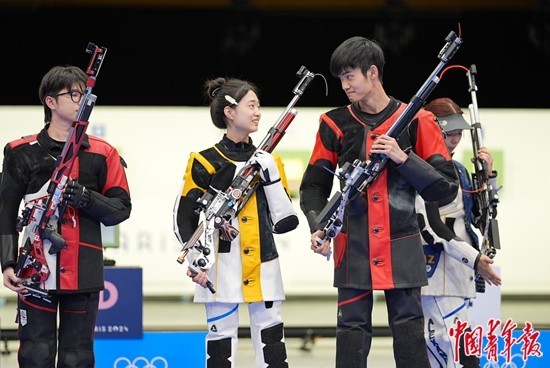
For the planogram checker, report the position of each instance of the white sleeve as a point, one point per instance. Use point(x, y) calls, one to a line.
point(283, 215)
point(435, 232)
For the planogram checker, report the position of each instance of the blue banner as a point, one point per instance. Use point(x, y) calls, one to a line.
point(154, 350)
point(121, 304)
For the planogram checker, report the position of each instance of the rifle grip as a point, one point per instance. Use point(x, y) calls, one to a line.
point(23, 256)
point(320, 242)
point(210, 286)
point(57, 241)
point(209, 283)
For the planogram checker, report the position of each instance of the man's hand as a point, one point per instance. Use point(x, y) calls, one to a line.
point(388, 146)
point(76, 195)
point(12, 282)
point(486, 271)
point(324, 248)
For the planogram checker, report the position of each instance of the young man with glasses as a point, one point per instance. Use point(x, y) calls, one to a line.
point(96, 192)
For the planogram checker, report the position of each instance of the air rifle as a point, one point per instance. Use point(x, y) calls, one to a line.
point(221, 206)
point(485, 196)
point(40, 217)
point(357, 176)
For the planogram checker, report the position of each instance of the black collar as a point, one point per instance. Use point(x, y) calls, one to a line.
point(237, 146)
point(237, 151)
point(373, 120)
point(52, 145)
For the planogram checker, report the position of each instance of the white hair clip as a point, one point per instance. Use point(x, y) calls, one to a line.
point(231, 100)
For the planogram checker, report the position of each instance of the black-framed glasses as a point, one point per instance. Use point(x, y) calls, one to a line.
point(76, 96)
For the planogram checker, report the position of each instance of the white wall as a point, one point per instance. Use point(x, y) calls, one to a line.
point(156, 142)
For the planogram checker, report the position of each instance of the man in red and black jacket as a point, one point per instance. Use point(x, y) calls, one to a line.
point(379, 247)
point(96, 193)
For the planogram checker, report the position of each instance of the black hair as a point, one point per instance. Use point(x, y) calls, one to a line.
point(57, 79)
point(357, 52)
point(216, 90)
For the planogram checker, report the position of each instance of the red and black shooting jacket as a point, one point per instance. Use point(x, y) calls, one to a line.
point(379, 246)
point(27, 168)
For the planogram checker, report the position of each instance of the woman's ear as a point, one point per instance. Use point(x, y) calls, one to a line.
point(228, 112)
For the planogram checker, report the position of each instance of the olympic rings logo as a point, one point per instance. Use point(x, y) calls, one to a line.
point(140, 362)
point(516, 361)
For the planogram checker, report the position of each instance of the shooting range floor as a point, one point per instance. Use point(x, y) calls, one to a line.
point(175, 314)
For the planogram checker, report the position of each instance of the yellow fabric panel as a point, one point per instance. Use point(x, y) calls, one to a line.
point(282, 172)
point(250, 239)
point(188, 177)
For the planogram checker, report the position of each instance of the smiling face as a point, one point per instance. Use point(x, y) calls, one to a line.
point(244, 118)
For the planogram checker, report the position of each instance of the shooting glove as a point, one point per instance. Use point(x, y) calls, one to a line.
point(76, 195)
point(269, 172)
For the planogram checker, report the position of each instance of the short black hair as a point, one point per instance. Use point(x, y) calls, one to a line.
point(57, 79)
point(357, 52)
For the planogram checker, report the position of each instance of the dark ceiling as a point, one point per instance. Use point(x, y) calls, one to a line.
point(161, 52)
